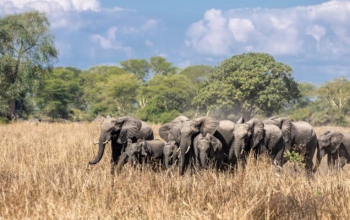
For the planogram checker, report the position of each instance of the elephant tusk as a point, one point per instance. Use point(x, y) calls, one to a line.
point(188, 149)
point(97, 142)
point(170, 157)
point(105, 142)
point(242, 151)
point(178, 149)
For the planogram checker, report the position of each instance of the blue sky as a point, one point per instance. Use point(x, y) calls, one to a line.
point(312, 36)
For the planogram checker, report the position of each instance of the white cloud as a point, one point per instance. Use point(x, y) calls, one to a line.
point(211, 34)
point(150, 25)
point(322, 29)
point(316, 31)
point(66, 5)
point(110, 42)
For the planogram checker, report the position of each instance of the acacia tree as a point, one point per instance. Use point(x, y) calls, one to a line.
point(27, 52)
point(248, 84)
point(139, 67)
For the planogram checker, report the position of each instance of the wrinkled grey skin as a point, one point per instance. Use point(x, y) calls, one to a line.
point(259, 137)
point(183, 131)
point(299, 137)
point(118, 131)
point(170, 153)
point(207, 149)
point(337, 148)
point(151, 150)
point(131, 154)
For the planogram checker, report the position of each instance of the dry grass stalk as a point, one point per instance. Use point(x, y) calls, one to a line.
point(43, 175)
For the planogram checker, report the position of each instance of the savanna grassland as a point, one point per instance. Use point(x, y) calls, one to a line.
point(44, 175)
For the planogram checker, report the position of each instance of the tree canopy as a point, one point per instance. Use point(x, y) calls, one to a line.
point(248, 84)
point(27, 52)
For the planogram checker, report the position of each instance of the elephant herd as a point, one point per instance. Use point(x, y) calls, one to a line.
point(205, 141)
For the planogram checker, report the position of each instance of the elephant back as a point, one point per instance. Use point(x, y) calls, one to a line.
point(145, 132)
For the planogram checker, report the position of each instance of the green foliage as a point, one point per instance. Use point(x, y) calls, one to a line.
point(294, 157)
point(197, 73)
point(248, 84)
point(61, 92)
point(139, 67)
point(160, 66)
point(27, 52)
point(112, 91)
point(164, 96)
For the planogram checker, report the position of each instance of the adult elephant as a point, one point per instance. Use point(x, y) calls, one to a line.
point(118, 131)
point(337, 148)
point(299, 137)
point(183, 131)
point(259, 137)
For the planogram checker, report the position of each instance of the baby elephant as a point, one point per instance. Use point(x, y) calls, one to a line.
point(207, 149)
point(337, 147)
point(171, 153)
point(150, 151)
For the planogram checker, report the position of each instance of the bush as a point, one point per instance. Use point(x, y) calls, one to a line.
point(4, 120)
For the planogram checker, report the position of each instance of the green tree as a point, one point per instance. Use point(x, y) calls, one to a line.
point(333, 102)
point(248, 84)
point(164, 97)
point(27, 52)
point(110, 90)
point(160, 66)
point(61, 94)
point(336, 94)
point(140, 67)
point(197, 73)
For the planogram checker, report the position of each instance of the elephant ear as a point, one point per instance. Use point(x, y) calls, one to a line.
point(286, 128)
point(215, 143)
point(164, 131)
point(175, 133)
point(327, 132)
point(204, 125)
point(336, 140)
point(240, 120)
point(285, 125)
point(130, 126)
point(257, 128)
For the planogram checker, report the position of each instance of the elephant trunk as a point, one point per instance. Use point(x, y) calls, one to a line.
point(184, 145)
point(204, 160)
point(101, 149)
point(236, 151)
point(166, 161)
point(320, 154)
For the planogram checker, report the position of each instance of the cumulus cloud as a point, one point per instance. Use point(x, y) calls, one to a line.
point(66, 5)
point(321, 29)
point(110, 42)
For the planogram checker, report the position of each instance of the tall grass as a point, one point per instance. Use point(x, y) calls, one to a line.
point(44, 175)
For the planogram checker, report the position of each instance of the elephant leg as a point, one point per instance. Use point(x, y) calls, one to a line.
point(115, 151)
point(310, 152)
point(341, 162)
point(121, 161)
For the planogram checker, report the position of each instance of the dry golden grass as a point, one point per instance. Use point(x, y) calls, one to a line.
point(43, 175)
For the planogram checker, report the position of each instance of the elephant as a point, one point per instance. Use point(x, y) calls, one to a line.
point(118, 131)
point(299, 137)
point(207, 148)
point(259, 137)
point(170, 153)
point(337, 147)
point(183, 131)
point(150, 151)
